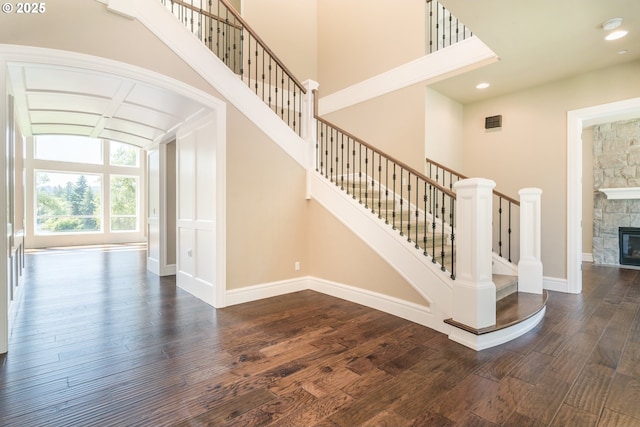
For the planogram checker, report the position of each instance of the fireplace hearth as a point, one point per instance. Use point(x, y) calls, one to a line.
point(629, 239)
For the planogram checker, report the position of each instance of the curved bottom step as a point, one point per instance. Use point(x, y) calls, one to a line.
point(516, 314)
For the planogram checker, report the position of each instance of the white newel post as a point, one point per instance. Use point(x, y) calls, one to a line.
point(308, 127)
point(474, 293)
point(530, 264)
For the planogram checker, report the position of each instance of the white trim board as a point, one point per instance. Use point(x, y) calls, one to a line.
point(406, 310)
point(461, 57)
point(576, 121)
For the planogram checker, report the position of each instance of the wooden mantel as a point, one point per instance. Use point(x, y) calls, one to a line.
point(621, 193)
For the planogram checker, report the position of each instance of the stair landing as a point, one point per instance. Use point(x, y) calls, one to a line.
point(510, 310)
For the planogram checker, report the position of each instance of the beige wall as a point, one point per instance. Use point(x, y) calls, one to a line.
point(393, 123)
point(339, 255)
point(289, 28)
point(443, 129)
point(358, 39)
point(266, 208)
point(530, 150)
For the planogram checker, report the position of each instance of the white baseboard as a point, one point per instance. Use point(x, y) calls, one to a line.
point(587, 257)
point(266, 290)
point(410, 311)
point(555, 284)
point(416, 313)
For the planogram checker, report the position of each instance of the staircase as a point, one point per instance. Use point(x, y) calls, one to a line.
point(414, 231)
point(418, 228)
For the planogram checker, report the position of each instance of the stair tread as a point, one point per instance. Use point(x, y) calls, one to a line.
point(504, 281)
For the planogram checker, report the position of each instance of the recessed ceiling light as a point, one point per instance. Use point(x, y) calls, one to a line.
point(612, 24)
point(482, 86)
point(616, 35)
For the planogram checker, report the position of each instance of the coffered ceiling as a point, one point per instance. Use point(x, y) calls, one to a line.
point(54, 99)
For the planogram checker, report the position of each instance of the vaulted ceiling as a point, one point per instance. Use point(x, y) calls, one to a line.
point(54, 99)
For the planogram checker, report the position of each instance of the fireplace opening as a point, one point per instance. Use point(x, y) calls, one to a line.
point(629, 239)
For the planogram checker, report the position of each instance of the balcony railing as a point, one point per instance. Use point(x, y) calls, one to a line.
point(221, 28)
point(443, 29)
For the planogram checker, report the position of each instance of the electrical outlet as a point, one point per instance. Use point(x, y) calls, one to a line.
point(297, 266)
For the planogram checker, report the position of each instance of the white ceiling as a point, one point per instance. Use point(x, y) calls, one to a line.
point(540, 41)
point(53, 99)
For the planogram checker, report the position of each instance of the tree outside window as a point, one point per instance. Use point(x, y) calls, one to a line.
point(67, 202)
point(124, 203)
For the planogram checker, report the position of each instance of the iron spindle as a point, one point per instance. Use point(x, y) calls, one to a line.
point(341, 161)
point(408, 206)
point(500, 226)
point(353, 162)
point(442, 221)
point(379, 186)
point(386, 191)
point(366, 177)
point(394, 196)
point(434, 215)
point(401, 199)
point(417, 213)
point(509, 231)
point(452, 209)
point(424, 232)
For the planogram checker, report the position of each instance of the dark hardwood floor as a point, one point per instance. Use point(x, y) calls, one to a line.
point(100, 342)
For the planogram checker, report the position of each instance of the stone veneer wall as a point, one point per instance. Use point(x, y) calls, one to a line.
point(616, 163)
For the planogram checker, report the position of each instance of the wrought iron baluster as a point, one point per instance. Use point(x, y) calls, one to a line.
point(408, 206)
point(366, 177)
point(318, 143)
point(451, 223)
point(417, 213)
point(386, 192)
point(401, 199)
point(442, 221)
point(353, 163)
point(339, 158)
point(394, 195)
point(348, 165)
point(360, 173)
point(424, 232)
point(434, 215)
point(509, 230)
point(379, 186)
point(500, 226)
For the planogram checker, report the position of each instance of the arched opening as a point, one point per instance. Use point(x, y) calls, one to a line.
point(72, 95)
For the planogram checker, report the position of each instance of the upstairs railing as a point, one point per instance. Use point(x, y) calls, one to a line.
point(443, 29)
point(506, 212)
point(221, 28)
point(418, 207)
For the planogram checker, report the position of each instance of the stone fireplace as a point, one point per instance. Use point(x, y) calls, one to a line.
point(616, 179)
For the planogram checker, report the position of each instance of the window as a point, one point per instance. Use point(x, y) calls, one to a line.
point(67, 202)
point(124, 203)
point(65, 148)
point(123, 154)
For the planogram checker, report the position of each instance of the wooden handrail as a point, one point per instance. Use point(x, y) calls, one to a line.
point(447, 169)
point(208, 14)
point(247, 27)
point(403, 165)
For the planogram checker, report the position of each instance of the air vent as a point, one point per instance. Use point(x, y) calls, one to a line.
point(493, 122)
